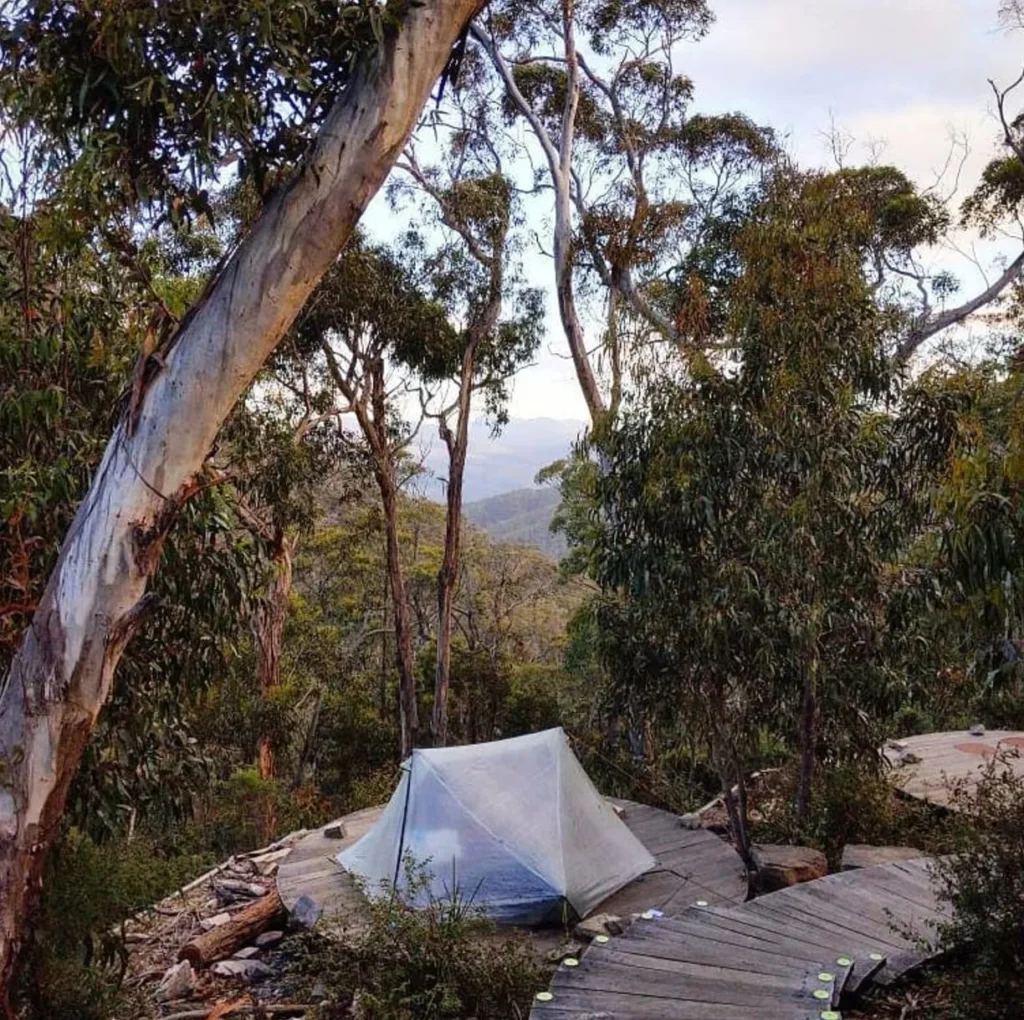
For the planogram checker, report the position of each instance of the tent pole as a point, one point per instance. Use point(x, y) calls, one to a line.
point(405, 815)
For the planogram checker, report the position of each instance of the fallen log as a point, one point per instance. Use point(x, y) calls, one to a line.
point(220, 942)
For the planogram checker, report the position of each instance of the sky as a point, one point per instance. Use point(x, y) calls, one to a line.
point(896, 75)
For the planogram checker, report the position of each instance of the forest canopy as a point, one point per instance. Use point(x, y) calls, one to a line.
point(793, 523)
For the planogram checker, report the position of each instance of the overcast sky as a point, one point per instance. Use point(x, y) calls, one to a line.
point(898, 73)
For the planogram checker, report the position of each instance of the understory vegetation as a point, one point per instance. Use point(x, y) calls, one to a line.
point(794, 523)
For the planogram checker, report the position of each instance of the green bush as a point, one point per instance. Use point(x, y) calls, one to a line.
point(244, 812)
point(853, 802)
point(440, 961)
point(984, 883)
point(75, 962)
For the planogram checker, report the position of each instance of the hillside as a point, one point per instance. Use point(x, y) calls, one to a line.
point(522, 516)
point(497, 465)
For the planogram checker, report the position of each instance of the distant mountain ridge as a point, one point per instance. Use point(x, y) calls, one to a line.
point(502, 464)
point(522, 516)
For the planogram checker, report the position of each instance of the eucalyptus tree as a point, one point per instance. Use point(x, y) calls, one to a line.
point(368, 322)
point(632, 171)
point(749, 518)
point(125, 95)
point(476, 274)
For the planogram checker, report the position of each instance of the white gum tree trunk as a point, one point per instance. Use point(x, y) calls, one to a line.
point(61, 676)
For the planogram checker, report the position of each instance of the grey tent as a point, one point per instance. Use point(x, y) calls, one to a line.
point(515, 825)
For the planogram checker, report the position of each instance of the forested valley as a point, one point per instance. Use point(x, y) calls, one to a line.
point(794, 526)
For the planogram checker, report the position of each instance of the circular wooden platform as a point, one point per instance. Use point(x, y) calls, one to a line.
point(694, 865)
point(928, 766)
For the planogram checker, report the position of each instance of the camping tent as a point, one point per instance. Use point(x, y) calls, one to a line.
point(515, 825)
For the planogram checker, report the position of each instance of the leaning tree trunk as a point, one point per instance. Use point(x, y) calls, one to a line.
point(268, 630)
point(93, 603)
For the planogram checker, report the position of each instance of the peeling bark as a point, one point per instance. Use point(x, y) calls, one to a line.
point(61, 676)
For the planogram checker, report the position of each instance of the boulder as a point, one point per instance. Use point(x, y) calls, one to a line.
point(269, 938)
point(307, 911)
point(599, 924)
point(249, 971)
point(177, 983)
point(782, 866)
point(861, 855)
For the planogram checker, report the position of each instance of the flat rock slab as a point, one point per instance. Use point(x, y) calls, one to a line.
point(861, 855)
point(780, 866)
point(249, 971)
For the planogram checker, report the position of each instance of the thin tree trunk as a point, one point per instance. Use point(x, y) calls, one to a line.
point(268, 629)
point(409, 721)
point(808, 716)
point(447, 576)
point(94, 601)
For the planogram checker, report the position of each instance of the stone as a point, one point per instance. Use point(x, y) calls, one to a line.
point(690, 821)
point(209, 923)
point(266, 864)
point(565, 950)
point(269, 938)
point(232, 890)
point(599, 924)
point(307, 911)
point(977, 730)
point(246, 953)
point(782, 866)
point(334, 831)
point(249, 971)
point(861, 855)
point(177, 983)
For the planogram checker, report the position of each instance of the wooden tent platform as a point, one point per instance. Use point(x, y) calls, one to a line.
point(791, 955)
point(693, 864)
point(947, 758)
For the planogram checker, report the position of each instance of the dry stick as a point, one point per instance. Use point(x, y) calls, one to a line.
point(278, 1010)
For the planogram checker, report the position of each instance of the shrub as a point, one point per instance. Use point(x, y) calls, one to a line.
point(984, 883)
point(75, 962)
point(852, 802)
point(439, 961)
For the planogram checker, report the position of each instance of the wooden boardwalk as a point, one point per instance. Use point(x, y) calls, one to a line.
point(693, 865)
point(790, 955)
point(942, 758)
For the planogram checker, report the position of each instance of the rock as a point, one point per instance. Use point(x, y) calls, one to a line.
point(307, 911)
point(977, 730)
point(209, 923)
point(690, 821)
point(266, 864)
point(269, 938)
point(599, 924)
point(565, 950)
point(781, 866)
point(246, 953)
point(177, 983)
point(619, 810)
point(249, 971)
point(231, 890)
point(334, 831)
point(860, 855)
